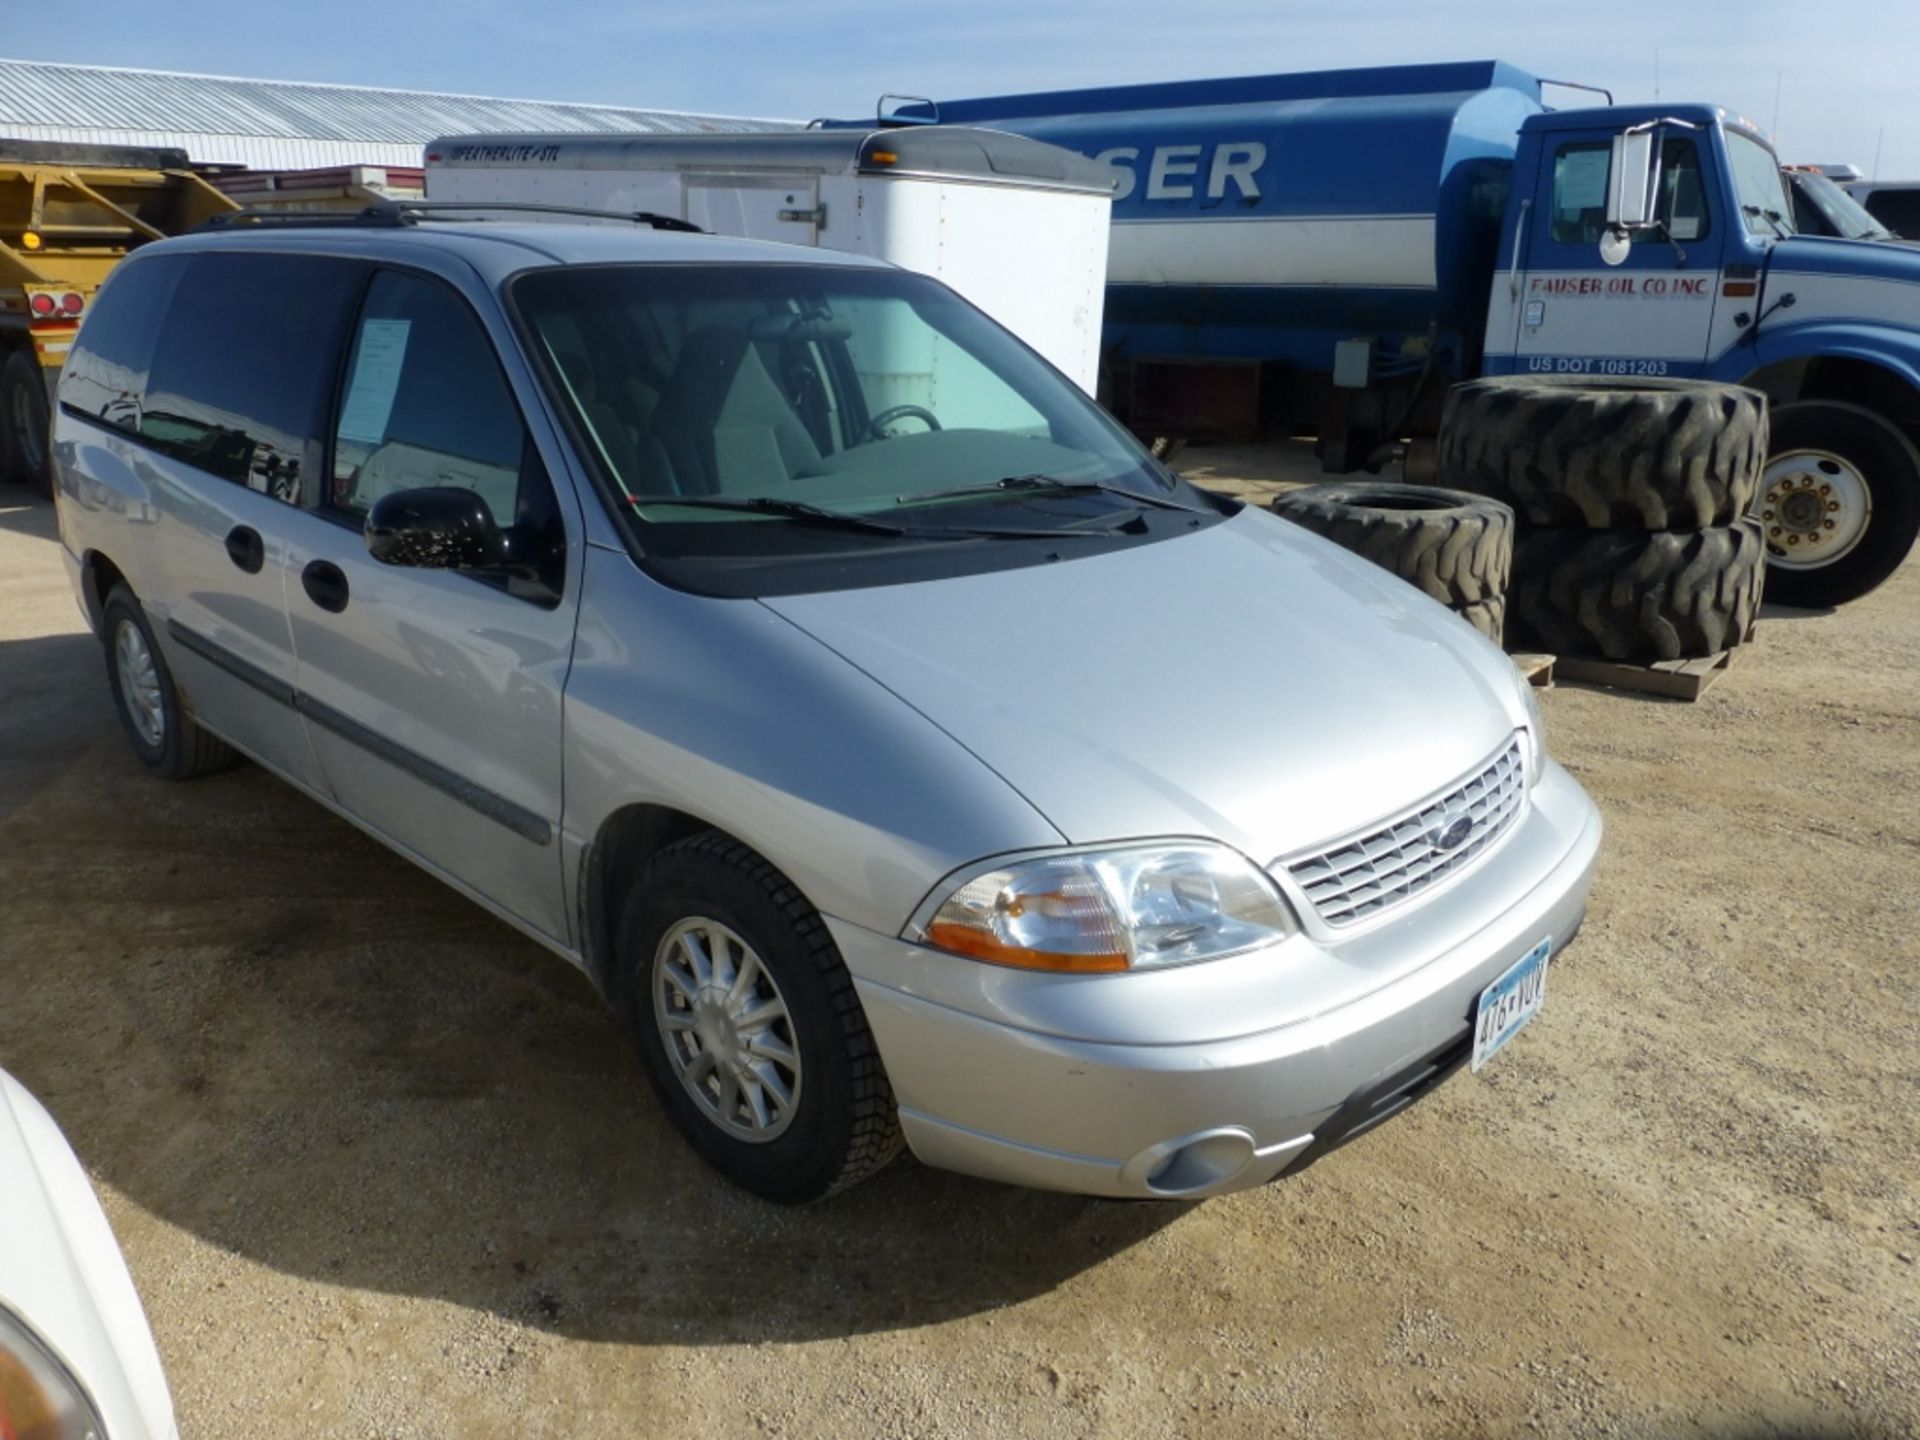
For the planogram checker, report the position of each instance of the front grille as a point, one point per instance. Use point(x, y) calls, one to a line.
point(1368, 875)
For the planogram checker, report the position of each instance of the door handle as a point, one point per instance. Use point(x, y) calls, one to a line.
point(245, 550)
point(326, 585)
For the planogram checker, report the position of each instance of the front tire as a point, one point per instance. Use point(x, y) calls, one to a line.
point(165, 737)
point(748, 1024)
point(1839, 503)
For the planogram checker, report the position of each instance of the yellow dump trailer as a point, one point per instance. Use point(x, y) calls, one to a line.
point(68, 213)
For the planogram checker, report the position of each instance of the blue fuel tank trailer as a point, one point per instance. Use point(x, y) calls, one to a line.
point(1272, 217)
point(1330, 251)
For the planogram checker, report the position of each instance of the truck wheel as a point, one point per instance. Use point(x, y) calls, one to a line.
point(25, 452)
point(162, 734)
point(748, 1024)
point(1645, 454)
point(1455, 547)
point(1839, 502)
point(1637, 594)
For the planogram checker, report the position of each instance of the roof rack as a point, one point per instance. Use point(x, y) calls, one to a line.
point(394, 214)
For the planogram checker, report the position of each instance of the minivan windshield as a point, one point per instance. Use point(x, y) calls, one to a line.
point(782, 407)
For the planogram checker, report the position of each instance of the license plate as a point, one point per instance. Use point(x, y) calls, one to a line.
point(1510, 1002)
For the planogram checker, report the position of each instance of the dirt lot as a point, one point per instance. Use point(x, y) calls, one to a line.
point(382, 1167)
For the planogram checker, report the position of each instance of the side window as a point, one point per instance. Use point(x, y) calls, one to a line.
point(425, 403)
point(1683, 192)
point(105, 377)
point(1580, 172)
point(1580, 192)
point(244, 365)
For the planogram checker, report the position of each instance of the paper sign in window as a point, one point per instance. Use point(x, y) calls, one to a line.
point(376, 380)
point(1580, 181)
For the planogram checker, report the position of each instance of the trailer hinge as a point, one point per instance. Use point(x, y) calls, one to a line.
point(817, 217)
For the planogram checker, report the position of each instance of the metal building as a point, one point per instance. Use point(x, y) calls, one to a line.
point(286, 124)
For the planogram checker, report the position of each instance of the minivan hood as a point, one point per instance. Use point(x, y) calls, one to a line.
point(1250, 682)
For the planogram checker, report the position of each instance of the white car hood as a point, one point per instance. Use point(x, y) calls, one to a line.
point(61, 1272)
point(1249, 682)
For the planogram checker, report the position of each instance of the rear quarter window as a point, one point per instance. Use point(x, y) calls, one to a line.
point(105, 377)
point(244, 367)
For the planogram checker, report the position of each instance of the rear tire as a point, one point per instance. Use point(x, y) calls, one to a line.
point(1455, 547)
point(26, 449)
point(1609, 454)
point(163, 734)
point(1634, 594)
point(774, 987)
point(1842, 477)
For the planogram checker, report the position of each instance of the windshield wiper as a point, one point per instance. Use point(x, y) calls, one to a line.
point(851, 520)
point(773, 505)
point(1774, 218)
point(1053, 484)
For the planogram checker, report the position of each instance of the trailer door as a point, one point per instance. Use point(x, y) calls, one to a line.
point(757, 207)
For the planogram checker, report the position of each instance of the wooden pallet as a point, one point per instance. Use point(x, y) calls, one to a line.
point(1678, 679)
point(1537, 668)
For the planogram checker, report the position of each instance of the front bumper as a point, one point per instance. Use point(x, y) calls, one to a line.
point(1079, 1083)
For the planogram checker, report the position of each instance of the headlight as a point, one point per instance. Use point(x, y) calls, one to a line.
point(1106, 910)
point(1536, 729)
point(39, 1397)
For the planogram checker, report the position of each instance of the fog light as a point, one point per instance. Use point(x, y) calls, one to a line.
point(1191, 1165)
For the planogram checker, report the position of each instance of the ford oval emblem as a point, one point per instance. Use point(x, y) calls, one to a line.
point(1454, 834)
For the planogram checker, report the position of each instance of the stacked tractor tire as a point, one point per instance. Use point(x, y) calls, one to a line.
point(1577, 516)
point(1632, 500)
point(1455, 547)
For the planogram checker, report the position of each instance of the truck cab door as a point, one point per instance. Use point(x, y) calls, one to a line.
point(1651, 314)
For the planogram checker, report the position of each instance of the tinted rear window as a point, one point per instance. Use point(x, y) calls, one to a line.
point(246, 363)
point(106, 374)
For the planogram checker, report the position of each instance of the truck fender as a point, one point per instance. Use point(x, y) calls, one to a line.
point(1789, 357)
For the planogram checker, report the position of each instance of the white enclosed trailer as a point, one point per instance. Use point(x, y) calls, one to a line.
point(1016, 226)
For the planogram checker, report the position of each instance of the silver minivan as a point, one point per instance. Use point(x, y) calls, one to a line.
point(905, 754)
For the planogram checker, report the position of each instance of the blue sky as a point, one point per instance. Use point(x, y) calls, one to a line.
point(1843, 69)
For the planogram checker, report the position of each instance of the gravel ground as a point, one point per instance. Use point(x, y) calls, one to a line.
point(384, 1168)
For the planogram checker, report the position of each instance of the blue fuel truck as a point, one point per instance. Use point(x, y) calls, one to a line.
point(1331, 251)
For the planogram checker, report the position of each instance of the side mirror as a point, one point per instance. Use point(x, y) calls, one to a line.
point(1633, 182)
point(437, 527)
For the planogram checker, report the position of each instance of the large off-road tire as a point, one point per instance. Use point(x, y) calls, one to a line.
point(1610, 454)
point(1839, 502)
point(163, 734)
point(1636, 594)
point(1454, 546)
point(1489, 617)
point(748, 1024)
point(26, 448)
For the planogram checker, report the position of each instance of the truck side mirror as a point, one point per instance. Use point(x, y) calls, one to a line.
point(1633, 191)
point(1633, 182)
